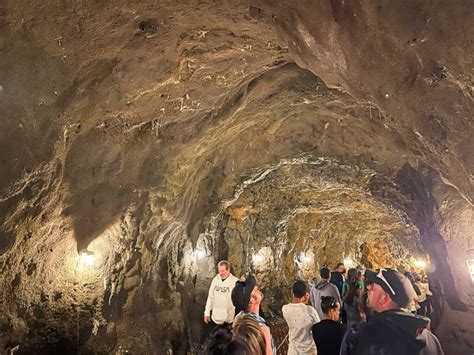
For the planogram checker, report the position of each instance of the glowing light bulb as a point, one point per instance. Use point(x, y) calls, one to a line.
point(258, 258)
point(348, 262)
point(199, 253)
point(306, 258)
point(86, 259)
point(420, 264)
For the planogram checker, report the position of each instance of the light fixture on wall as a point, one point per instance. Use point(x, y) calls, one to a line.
point(348, 262)
point(199, 254)
point(305, 258)
point(86, 259)
point(420, 264)
point(258, 258)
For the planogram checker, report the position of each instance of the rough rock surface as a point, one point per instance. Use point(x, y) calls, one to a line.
point(165, 135)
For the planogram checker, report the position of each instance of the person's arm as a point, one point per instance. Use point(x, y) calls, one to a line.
point(268, 339)
point(311, 297)
point(337, 295)
point(209, 303)
point(314, 316)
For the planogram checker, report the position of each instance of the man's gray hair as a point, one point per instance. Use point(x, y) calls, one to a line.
point(224, 263)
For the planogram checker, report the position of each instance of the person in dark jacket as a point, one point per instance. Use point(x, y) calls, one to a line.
point(337, 277)
point(391, 330)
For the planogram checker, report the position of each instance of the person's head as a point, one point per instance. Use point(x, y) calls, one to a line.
point(246, 295)
point(330, 307)
point(416, 277)
point(300, 291)
point(223, 269)
point(325, 273)
point(247, 329)
point(360, 276)
point(388, 289)
point(340, 268)
point(409, 276)
point(223, 343)
point(352, 275)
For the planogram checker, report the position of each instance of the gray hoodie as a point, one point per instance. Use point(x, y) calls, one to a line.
point(323, 288)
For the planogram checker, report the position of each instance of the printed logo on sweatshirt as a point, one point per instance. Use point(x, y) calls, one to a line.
point(222, 289)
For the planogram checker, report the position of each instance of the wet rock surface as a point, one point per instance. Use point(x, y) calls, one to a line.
point(148, 132)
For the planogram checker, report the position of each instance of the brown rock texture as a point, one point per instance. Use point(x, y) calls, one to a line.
point(163, 136)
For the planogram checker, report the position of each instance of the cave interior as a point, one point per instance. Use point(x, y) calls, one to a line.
point(143, 141)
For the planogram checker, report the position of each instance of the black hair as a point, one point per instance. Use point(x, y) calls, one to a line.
point(325, 273)
point(328, 303)
point(299, 288)
point(223, 343)
point(339, 264)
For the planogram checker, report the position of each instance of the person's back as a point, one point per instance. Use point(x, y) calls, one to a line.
point(321, 289)
point(300, 317)
point(328, 333)
point(391, 333)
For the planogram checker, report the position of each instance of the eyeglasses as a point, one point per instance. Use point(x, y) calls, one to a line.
point(380, 276)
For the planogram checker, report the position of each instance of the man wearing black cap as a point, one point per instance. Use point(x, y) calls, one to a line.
point(392, 330)
point(246, 298)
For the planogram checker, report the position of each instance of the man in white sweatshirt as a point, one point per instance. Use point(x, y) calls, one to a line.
point(219, 307)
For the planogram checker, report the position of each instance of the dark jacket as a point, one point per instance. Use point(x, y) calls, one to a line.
point(393, 332)
point(337, 279)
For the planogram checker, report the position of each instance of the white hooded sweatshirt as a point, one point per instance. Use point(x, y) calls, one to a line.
point(219, 299)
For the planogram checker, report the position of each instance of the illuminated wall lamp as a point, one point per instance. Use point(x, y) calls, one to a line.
point(258, 258)
point(86, 259)
point(200, 254)
point(306, 258)
point(421, 264)
point(348, 262)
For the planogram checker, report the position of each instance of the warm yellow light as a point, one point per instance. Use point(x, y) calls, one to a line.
point(200, 254)
point(306, 258)
point(348, 262)
point(86, 259)
point(258, 258)
point(421, 264)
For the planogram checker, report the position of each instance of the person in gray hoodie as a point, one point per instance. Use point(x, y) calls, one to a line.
point(323, 288)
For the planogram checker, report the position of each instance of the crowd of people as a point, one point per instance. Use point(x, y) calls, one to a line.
point(379, 312)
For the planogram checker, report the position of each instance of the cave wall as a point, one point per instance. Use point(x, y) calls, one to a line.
point(141, 131)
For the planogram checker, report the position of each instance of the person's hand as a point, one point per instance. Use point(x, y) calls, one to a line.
point(206, 319)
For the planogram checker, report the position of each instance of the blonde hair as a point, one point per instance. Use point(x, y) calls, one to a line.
point(247, 328)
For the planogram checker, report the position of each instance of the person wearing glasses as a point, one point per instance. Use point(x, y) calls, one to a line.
point(391, 330)
point(328, 333)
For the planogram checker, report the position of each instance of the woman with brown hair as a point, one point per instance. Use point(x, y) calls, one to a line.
point(247, 328)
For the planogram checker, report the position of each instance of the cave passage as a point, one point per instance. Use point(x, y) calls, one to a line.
point(142, 142)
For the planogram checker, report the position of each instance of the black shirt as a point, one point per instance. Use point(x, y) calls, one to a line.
point(328, 335)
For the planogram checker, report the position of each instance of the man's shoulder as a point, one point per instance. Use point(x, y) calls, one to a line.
point(233, 278)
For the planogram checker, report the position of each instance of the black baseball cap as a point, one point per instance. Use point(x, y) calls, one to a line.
point(241, 293)
point(395, 284)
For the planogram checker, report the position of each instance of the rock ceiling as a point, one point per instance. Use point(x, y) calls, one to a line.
point(149, 131)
